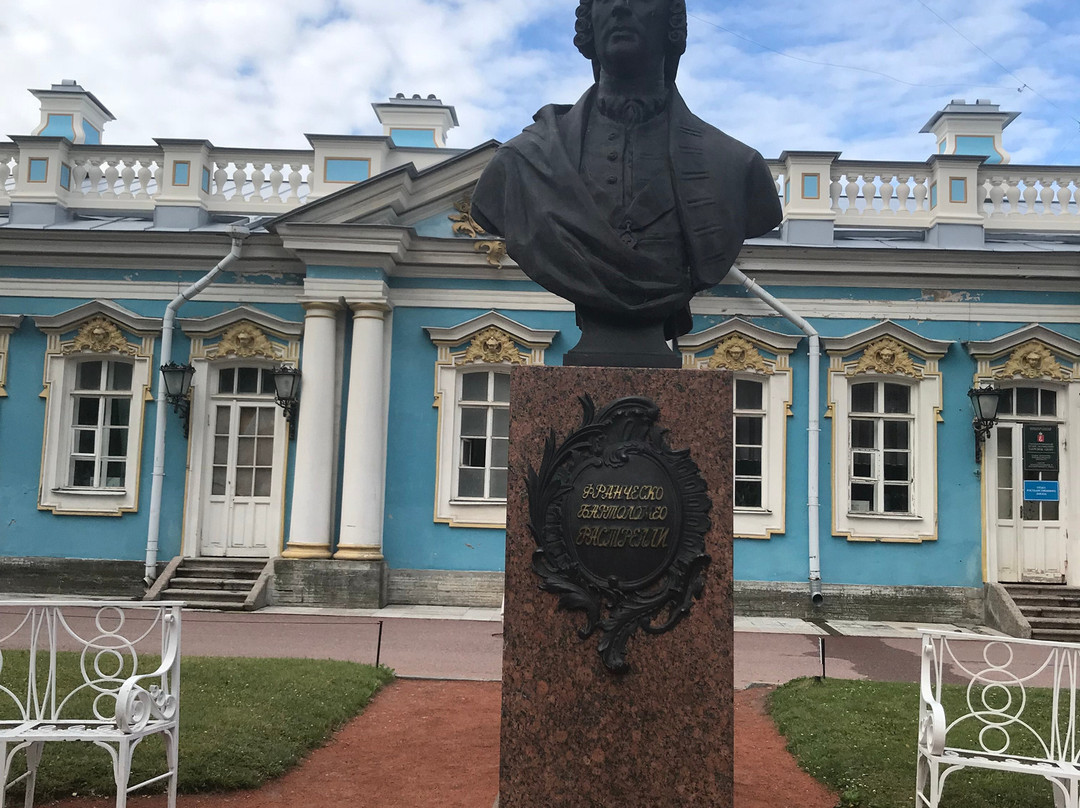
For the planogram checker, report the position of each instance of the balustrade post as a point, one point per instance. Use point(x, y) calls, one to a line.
point(808, 206)
point(43, 180)
point(185, 183)
point(956, 201)
point(341, 160)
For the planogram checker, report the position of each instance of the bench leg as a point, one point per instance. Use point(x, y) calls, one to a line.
point(172, 756)
point(927, 782)
point(33, 758)
point(122, 771)
point(3, 773)
point(1066, 794)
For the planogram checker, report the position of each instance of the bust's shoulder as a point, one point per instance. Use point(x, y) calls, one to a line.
point(717, 144)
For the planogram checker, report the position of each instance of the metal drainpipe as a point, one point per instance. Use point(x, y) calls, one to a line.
point(813, 427)
point(153, 532)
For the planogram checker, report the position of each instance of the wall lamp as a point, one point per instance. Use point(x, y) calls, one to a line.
point(177, 381)
point(287, 394)
point(985, 400)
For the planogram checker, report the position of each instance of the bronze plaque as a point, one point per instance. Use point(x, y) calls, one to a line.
point(619, 519)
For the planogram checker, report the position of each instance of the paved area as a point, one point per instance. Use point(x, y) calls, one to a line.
point(459, 643)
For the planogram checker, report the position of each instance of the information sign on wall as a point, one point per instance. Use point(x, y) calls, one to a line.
point(1040, 447)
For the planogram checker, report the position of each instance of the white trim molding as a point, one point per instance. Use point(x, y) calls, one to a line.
point(758, 355)
point(98, 330)
point(888, 355)
point(492, 342)
point(9, 323)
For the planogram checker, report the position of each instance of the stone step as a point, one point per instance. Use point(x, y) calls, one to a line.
point(1035, 603)
point(219, 606)
point(1056, 634)
point(198, 582)
point(208, 595)
point(1041, 589)
point(217, 573)
point(1054, 621)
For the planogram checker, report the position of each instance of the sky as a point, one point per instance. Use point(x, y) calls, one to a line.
point(860, 77)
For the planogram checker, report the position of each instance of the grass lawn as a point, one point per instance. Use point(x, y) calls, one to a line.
point(242, 722)
point(859, 738)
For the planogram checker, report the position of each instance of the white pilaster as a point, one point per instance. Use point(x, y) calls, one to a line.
point(311, 524)
point(362, 486)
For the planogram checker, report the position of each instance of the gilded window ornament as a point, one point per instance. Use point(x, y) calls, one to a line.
point(888, 357)
point(243, 340)
point(493, 346)
point(738, 353)
point(1032, 360)
point(99, 335)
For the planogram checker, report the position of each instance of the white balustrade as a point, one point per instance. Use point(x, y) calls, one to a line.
point(255, 181)
point(9, 164)
point(1031, 197)
point(104, 178)
point(892, 193)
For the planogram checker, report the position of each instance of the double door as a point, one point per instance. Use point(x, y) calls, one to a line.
point(243, 464)
point(1026, 487)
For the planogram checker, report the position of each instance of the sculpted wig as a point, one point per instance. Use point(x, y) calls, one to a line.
point(676, 38)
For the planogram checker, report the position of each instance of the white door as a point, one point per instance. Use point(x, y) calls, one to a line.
point(242, 504)
point(1027, 488)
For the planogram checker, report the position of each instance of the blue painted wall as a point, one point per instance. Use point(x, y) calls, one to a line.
point(27, 531)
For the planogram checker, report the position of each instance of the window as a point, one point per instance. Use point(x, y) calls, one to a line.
point(101, 415)
point(749, 442)
point(472, 396)
point(484, 430)
point(97, 381)
point(885, 402)
point(758, 359)
point(880, 460)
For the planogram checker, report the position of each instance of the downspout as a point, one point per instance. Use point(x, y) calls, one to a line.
point(153, 532)
point(813, 427)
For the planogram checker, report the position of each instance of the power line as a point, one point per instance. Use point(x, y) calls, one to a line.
point(820, 63)
point(1023, 84)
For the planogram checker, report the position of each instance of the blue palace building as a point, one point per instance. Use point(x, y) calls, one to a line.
point(346, 331)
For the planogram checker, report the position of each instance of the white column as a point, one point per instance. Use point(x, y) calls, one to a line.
point(362, 483)
point(311, 524)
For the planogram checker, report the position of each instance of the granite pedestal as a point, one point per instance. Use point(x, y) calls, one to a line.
point(573, 733)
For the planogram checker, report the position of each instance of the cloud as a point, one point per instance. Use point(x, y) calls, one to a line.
point(850, 76)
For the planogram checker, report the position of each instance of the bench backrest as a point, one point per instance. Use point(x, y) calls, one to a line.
point(1015, 697)
point(110, 641)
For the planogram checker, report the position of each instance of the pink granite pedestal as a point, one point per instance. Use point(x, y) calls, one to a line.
point(573, 733)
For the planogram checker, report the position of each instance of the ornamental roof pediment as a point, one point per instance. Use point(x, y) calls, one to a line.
point(924, 346)
point(218, 323)
point(400, 196)
point(70, 319)
point(993, 348)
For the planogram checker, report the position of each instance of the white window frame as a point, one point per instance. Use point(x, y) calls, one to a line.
point(9, 323)
point(102, 332)
point(491, 342)
point(490, 406)
point(758, 354)
point(892, 354)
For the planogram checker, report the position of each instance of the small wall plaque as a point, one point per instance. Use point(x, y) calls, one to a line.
point(619, 519)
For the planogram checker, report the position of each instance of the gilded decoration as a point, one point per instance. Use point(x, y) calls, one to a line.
point(889, 357)
point(494, 250)
point(243, 340)
point(99, 335)
point(738, 353)
point(464, 223)
point(493, 346)
point(1032, 360)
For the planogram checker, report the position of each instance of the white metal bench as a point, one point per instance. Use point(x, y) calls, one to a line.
point(115, 701)
point(1011, 735)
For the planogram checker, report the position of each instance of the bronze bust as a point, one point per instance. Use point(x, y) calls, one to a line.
point(626, 203)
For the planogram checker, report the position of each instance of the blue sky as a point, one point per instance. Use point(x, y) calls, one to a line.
point(856, 76)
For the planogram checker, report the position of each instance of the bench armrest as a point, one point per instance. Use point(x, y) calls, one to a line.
point(136, 705)
point(932, 724)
